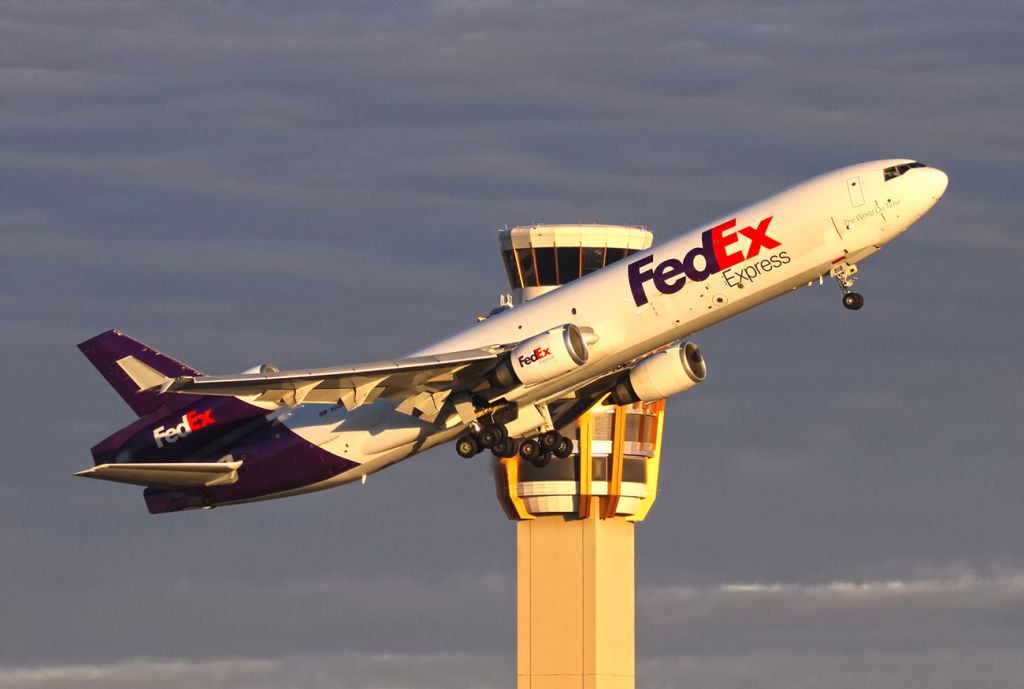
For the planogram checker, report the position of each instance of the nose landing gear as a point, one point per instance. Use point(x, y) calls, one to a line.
point(853, 300)
point(844, 273)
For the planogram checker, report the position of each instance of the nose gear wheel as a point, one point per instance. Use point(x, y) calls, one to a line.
point(845, 274)
point(853, 301)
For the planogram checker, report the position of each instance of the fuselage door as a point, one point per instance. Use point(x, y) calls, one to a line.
point(853, 186)
point(861, 225)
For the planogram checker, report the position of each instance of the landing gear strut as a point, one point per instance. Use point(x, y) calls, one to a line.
point(844, 273)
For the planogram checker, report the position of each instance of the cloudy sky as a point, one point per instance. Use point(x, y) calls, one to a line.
point(312, 183)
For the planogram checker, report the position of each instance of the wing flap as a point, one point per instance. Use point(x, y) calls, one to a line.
point(167, 475)
point(352, 386)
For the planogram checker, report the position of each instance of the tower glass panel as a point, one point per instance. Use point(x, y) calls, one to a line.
point(527, 267)
point(568, 263)
point(593, 259)
point(546, 272)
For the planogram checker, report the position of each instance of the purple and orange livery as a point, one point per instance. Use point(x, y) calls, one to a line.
point(185, 430)
point(512, 380)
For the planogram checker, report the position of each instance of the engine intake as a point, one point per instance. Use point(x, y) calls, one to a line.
point(543, 357)
point(661, 375)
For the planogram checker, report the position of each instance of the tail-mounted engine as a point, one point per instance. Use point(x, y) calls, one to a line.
point(543, 357)
point(661, 375)
point(263, 368)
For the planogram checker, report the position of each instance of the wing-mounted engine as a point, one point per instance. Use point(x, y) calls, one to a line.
point(661, 375)
point(543, 357)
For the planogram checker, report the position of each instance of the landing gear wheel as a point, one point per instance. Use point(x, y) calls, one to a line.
point(550, 440)
point(564, 448)
point(489, 437)
point(505, 448)
point(853, 301)
point(467, 446)
point(542, 460)
point(492, 434)
point(530, 450)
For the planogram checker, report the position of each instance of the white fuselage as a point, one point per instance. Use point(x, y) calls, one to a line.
point(657, 296)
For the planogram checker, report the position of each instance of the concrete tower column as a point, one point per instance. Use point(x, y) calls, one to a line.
point(576, 516)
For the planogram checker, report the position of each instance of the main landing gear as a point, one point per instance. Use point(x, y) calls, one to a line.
point(494, 437)
point(844, 274)
point(539, 451)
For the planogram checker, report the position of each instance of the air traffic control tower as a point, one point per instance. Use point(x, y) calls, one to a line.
point(575, 516)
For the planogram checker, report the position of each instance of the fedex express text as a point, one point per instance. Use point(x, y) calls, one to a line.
point(718, 252)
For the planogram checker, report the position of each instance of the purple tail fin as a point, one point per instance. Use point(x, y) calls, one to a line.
point(106, 349)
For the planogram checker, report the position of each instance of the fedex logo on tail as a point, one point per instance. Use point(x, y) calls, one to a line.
point(191, 421)
point(717, 252)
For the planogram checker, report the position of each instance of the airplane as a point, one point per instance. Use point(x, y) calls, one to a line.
point(509, 382)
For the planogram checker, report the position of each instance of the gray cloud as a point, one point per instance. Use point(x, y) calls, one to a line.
point(312, 671)
point(847, 617)
point(941, 632)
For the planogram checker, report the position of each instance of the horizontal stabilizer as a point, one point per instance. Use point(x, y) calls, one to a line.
point(146, 377)
point(167, 474)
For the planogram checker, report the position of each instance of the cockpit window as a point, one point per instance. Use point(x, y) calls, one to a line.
point(897, 170)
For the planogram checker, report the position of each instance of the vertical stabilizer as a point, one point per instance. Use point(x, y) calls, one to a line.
point(118, 357)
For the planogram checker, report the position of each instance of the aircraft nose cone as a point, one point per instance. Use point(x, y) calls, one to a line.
point(937, 183)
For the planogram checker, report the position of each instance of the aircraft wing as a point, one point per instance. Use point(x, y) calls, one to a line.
point(421, 383)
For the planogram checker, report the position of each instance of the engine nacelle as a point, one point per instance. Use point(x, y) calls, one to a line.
point(265, 368)
point(661, 375)
point(543, 357)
